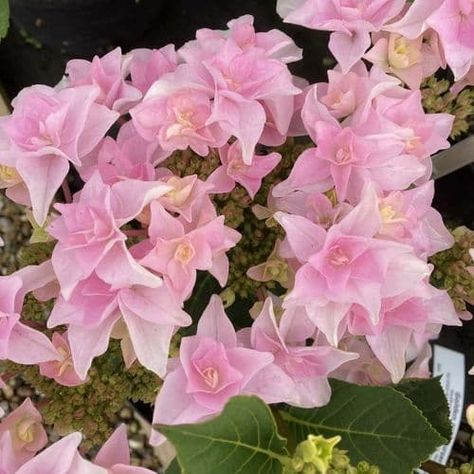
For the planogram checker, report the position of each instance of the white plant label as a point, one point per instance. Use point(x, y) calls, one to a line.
point(451, 365)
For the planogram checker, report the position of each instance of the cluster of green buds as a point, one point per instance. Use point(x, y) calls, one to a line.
point(319, 455)
point(438, 98)
point(454, 269)
point(93, 406)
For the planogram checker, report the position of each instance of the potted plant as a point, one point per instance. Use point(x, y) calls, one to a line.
point(247, 250)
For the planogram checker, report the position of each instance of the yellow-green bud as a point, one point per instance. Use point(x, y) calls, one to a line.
point(318, 451)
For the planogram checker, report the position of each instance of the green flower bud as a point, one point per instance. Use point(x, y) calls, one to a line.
point(318, 451)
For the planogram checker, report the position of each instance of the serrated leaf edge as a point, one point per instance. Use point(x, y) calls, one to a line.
point(441, 440)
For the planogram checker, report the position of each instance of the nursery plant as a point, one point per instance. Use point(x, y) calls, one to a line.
point(247, 251)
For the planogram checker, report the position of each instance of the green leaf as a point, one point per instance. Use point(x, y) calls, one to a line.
point(428, 396)
point(4, 18)
point(377, 424)
point(242, 439)
point(173, 468)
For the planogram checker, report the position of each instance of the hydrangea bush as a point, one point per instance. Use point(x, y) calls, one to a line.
point(194, 246)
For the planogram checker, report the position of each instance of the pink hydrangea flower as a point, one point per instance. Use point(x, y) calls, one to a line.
point(347, 265)
point(26, 434)
point(453, 20)
point(62, 370)
point(409, 218)
point(188, 196)
point(235, 170)
point(177, 113)
point(275, 44)
point(347, 96)
point(148, 65)
point(406, 323)
point(89, 236)
point(211, 369)
point(404, 118)
point(177, 250)
point(47, 129)
point(411, 60)
point(108, 73)
point(151, 317)
point(351, 21)
point(247, 74)
point(298, 374)
point(63, 457)
point(350, 161)
point(127, 157)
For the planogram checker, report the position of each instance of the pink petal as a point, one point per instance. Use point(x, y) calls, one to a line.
point(28, 346)
point(88, 343)
point(390, 348)
point(56, 459)
point(215, 324)
point(348, 49)
point(304, 237)
point(43, 176)
point(115, 450)
point(151, 342)
point(245, 119)
point(174, 406)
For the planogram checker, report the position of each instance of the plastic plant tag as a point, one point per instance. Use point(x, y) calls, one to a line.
point(451, 365)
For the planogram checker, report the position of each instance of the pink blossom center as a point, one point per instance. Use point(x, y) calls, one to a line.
point(184, 252)
point(343, 155)
point(26, 430)
point(337, 257)
point(211, 377)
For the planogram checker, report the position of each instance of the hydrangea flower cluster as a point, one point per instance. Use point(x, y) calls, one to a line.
point(353, 297)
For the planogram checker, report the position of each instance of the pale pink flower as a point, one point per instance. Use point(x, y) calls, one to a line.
point(148, 65)
point(254, 92)
point(151, 317)
point(411, 60)
point(128, 157)
point(248, 84)
point(453, 20)
point(235, 170)
point(177, 114)
point(350, 161)
point(108, 73)
point(63, 457)
point(89, 236)
point(188, 196)
point(26, 433)
point(405, 324)
point(347, 96)
point(211, 369)
point(347, 265)
point(404, 119)
point(274, 43)
point(47, 129)
point(351, 21)
point(407, 217)
point(298, 374)
point(176, 250)
point(62, 370)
